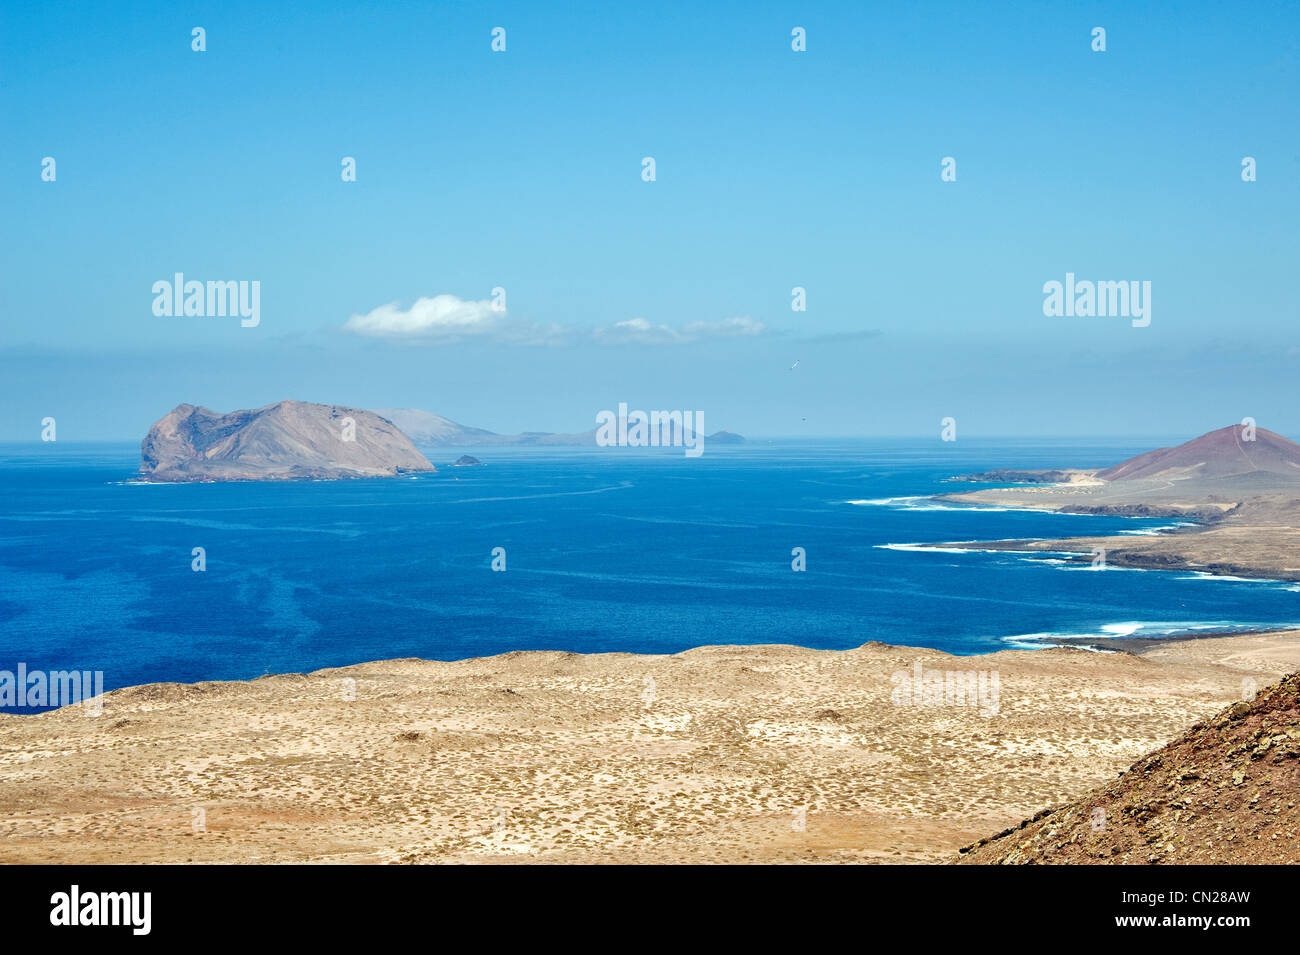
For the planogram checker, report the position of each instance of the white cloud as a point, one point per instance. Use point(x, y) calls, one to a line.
point(635, 330)
point(640, 331)
point(444, 319)
point(443, 316)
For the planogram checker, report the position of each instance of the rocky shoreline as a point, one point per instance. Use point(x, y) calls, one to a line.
point(1150, 553)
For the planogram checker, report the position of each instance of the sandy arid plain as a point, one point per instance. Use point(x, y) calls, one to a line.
point(718, 754)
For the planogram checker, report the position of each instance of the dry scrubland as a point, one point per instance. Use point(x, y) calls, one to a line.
point(704, 756)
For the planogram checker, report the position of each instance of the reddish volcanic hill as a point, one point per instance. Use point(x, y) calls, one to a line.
point(1219, 454)
point(1224, 792)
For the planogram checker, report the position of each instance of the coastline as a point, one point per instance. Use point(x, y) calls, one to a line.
point(1256, 538)
point(769, 753)
point(1153, 552)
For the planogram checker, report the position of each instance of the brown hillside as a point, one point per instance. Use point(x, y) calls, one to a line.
point(1224, 792)
point(1218, 454)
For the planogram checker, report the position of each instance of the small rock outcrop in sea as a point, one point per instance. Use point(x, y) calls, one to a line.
point(289, 440)
point(724, 437)
point(466, 461)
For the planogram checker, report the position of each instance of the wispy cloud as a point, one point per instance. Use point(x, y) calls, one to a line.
point(444, 319)
point(840, 338)
point(447, 319)
point(639, 331)
point(439, 316)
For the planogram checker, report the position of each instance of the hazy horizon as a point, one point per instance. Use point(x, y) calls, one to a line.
point(984, 439)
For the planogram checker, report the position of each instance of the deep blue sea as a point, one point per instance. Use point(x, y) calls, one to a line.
point(605, 550)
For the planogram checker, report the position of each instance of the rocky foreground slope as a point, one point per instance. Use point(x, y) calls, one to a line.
point(1226, 791)
point(284, 441)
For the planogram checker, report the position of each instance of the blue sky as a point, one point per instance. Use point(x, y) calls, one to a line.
point(775, 169)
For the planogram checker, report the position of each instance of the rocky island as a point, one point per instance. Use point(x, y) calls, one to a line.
point(288, 440)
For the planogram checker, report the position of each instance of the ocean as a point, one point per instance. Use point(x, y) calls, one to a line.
point(604, 550)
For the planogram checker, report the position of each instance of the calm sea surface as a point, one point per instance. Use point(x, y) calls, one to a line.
point(605, 550)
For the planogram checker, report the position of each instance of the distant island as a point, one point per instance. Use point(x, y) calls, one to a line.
point(466, 461)
point(288, 440)
point(724, 437)
point(429, 430)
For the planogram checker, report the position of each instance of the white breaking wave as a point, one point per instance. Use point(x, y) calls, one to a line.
point(1130, 628)
point(1202, 575)
point(1084, 565)
point(1153, 531)
point(922, 502)
point(933, 549)
point(911, 503)
point(1121, 629)
point(884, 501)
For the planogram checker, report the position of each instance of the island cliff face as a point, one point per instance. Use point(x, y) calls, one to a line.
point(289, 440)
